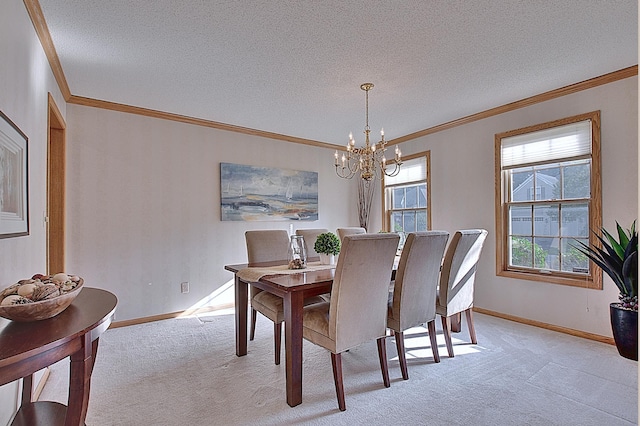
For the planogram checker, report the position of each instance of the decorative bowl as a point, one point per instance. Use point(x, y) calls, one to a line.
point(43, 309)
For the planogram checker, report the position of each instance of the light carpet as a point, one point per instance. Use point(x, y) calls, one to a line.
point(185, 372)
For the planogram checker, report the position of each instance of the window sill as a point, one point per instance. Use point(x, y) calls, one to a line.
point(583, 282)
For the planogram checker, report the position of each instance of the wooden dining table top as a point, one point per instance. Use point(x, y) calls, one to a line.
point(302, 278)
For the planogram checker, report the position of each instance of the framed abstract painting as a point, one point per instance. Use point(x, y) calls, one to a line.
point(14, 188)
point(252, 193)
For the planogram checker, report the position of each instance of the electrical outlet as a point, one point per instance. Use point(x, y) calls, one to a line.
point(184, 287)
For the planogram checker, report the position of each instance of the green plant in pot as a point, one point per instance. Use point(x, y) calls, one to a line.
point(327, 245)
point(618, 258)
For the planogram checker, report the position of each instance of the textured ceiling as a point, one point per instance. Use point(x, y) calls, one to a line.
point(295, 67)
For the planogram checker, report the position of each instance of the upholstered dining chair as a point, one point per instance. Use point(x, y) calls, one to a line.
point(357, 312)
point(457, 280)
point(413, 301)
point(352, 230)
point(310, 236)
point(268, 246)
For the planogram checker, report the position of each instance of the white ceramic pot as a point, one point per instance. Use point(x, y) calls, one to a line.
point(327, 259)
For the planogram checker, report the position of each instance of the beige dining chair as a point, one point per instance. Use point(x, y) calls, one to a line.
point(357, 312)
point(310, 236)
point(457, 280)
point(413, 300)
point(269, 246)
point(353, 230)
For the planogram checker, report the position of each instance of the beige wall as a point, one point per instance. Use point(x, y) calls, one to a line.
point(25, 80)
point(462, 181)
point(144, 206)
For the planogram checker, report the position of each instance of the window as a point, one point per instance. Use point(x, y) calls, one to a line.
point(547, 198)
point(407, 197)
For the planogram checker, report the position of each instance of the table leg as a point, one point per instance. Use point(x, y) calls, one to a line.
point(293, 304)
point(27, 390)
point(241, 289)
point(94, 352)
point(80, 382)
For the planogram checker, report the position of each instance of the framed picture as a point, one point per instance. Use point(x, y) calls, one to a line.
point(14, 187)
point(251, 193)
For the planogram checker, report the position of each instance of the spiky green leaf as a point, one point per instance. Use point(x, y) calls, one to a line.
point(629, 273)
point(618, 258)
point(619, 250)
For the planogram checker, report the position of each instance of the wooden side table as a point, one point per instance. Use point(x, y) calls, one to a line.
point(26, 347)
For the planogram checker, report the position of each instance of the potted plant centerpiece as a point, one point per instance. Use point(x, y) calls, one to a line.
point(619, 259)
point(327, 245)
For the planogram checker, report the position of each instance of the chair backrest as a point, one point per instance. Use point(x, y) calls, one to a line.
point(310, 236)
point(417, 277)
point(343, 232)
point(358, 310)
point(459, 269)
point(266, 245)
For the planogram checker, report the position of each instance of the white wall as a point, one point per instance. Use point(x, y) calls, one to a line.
point(462, 182)
point(25, 80)
point(144, 205)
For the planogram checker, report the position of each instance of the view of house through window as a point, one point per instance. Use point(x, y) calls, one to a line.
point(539, 225)
point(548, 199)
point(407, 198)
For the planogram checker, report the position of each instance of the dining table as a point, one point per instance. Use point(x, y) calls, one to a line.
point(293, 287)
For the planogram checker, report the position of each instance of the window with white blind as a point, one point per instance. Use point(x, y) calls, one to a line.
point(406, 201)
point(547, 199)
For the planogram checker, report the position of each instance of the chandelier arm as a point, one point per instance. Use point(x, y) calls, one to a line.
point(344, 172)
point(369, 160)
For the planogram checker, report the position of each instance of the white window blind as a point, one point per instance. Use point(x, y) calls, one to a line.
point(410, 171)
point(548, 145)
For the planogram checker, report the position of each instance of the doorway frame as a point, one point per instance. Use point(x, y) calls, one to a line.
point(56, 183)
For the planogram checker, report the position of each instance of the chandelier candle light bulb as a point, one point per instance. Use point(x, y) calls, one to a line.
point(368, 161)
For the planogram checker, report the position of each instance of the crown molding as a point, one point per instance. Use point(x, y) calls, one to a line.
point(37, 18)
point(543, 97)
point(79, 100)
point(42, 30)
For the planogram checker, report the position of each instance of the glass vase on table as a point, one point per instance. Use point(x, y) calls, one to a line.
point(297, 254)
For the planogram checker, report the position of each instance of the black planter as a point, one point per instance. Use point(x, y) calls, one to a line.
point(624, 324)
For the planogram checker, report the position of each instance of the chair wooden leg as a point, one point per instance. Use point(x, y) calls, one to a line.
point(336, 362)
point(434, 341)
point(455, 322)
point(447, 335)
point(401, 355)
point(254, 317)
point(382, 354)
point(277, 338)
point(472, 330)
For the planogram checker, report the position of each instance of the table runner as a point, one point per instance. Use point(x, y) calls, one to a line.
point(254, 274)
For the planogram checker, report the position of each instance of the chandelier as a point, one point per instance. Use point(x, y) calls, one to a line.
point(369, 160)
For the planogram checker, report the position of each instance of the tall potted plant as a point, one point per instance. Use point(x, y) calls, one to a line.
point(619, 259)
point(327, 245)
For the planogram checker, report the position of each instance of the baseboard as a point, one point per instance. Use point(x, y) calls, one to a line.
point(170, 315)
point(43, 381)
point(565, 330)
